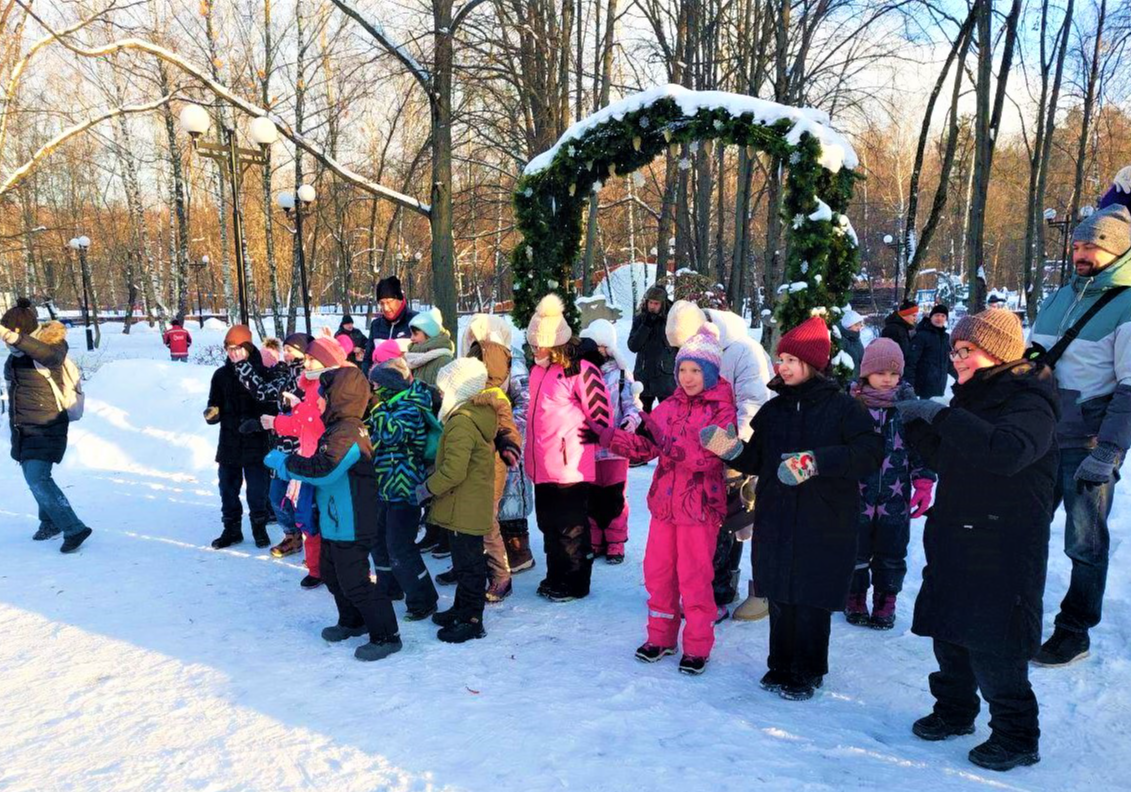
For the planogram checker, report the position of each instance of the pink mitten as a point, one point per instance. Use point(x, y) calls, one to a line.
point(292, 491)
point(921, 499)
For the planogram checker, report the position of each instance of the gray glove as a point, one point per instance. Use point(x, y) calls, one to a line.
point(1099, 466)
point(919, 410)
point(423, 494)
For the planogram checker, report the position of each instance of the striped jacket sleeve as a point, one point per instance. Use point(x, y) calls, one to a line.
point(594, 397)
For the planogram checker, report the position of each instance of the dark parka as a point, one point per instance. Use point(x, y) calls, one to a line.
point(805, 536)
point(897, 329)
point(850, 342)
point(237, 405)
point(655, 357)
point(928, 362)
point(39, 427)
point(355, 335)
point(382, 329)
point(987, 535)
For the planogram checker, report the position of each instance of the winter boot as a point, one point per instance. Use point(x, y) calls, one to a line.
point(379, 649)
point(753, 608)
point(883, 610)
point(231, 535)
point(721, 614)
point(429, 540)
point(71, 543)
point(447, 578)
point(650, 653)
point(461, 631)
point(497, 592)
point(993, 755)
point(339, 632)
point(800, 687)
point(259, 533)
point(1063, 648)
point(856, 612)
point(443, 547)
point(419, 615)
point(694, 666)
point(517, 542)
point(614, 559)
point(934, 728)
point(445, 618)
point(291, 544)
point(773, 680)
point(310, 582)
point(46, 532)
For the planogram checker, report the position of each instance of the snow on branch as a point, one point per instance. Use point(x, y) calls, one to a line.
point(398, 51)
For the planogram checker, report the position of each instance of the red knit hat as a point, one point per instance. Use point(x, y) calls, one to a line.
point(808, 342)
point(328, 352)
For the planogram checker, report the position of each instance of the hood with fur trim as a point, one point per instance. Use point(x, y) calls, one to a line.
point(51, 333)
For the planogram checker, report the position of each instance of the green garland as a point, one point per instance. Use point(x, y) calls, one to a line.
point(549, 205)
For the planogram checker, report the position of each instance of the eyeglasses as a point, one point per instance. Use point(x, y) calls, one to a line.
point(960, 353)
point(386, 305)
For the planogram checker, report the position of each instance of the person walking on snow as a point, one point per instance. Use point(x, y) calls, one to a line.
point(987, 536)
point(39, 423)
point(608, 507)
point(393, 320)
point(346, 492)
point(1094, 433)
point(687, 502)
point(567, 393)
point(655, 357)
point(178, 340)
point(891, 497)
point(811, 446)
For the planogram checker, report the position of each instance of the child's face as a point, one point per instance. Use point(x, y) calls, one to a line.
point(967, 359)
point(884, 380)
point(311, 363)
point(290, 353)
point(793, 371)
point(418, 336)
point(690, 378)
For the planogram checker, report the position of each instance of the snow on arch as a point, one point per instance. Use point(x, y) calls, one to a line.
point(836, 151)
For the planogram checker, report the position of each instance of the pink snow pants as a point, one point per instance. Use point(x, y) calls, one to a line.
point(678, 564)
point(608, 508)
point(312, 551)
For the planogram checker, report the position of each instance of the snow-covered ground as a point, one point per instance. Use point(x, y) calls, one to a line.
point(150, 661)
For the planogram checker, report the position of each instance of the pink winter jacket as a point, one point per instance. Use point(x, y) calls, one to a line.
point(688, 486)
point(558, 407)
point(305, 420)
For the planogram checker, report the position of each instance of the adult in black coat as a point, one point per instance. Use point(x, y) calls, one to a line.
point(348, 328)
point(900, 323)
point(392, 321)
point(655, 357)
point(39, 423)
point(986, 538)
point(239, 455)
point(928, 362)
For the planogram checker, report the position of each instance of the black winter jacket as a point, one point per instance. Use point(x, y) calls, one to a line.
point(382, 330)
point(987, 535)
point(897, 329)
point(268, 386)
point(237, 405)
point(928, 362)
point(850, 342)
point(39, 427)
point(655, 357)
point(360, 342)
point(805, 536)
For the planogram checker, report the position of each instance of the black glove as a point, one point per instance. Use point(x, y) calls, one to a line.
point(250, 426)
point(588, 436)
point(507, 450)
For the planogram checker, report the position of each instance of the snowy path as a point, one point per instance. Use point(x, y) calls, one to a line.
point(150, 661)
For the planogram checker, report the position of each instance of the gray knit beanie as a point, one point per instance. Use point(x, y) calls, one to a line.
point(1109, 228)
point(994, 331)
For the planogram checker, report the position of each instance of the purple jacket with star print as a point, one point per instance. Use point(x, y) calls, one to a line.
point(885, 494)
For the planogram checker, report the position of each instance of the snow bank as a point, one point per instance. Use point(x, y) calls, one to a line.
point(836, 151)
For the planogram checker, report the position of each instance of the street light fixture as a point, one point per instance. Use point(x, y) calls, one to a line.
point(81, 244)
point(195, 121)
point(896, 244)
point(296, 205)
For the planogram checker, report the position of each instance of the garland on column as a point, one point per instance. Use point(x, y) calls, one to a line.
point(821, 247)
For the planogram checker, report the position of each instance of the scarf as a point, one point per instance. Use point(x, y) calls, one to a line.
point(875, 399)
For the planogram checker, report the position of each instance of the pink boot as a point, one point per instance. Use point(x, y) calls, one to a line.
point(856, 611)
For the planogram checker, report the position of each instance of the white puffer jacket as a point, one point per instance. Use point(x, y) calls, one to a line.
point(745, 365)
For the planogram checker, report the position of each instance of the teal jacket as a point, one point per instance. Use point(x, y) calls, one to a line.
point(1094, 375)
point(398, 434)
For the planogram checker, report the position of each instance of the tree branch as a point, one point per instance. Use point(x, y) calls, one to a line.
point(377, 31)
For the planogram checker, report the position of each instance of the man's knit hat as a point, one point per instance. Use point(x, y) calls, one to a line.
point(387, 350)
point(548, 327)
point(704, 350)
point(328, 352)
point(994, 331)
point(808, 342)
point(237, 335)
point(684, 320)
point(1109, 228)
point(880, 356)
point(909, 310)
point(851, 317)
point(941, 308)
point(429, 322)
point(21, 317)
point(459, 381)
point(393, 374)
point(390, 288)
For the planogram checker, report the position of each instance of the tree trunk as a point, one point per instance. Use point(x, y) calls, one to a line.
point(443, 253)
point(180, 262)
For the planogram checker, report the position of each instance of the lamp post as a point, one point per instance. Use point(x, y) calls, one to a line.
point(200, 265)
point(296, 205)
point(896, 244)
point(196, 121)
point(81, 244)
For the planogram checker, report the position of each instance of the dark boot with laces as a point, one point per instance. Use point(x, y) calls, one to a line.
point(1063, 648)
point(994, 754)
point(231, 535)
point(934, 728)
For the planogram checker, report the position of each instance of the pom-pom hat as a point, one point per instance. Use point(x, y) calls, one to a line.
point(548, 327)
point(704, 350)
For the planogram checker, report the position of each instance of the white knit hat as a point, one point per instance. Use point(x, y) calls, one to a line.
point(548, 327)
point(850, 318)
point(684, 320)
point(459, 381)
point(602, 332)
point(486, 327)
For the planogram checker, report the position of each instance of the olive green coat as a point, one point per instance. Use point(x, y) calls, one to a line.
point(463, 484)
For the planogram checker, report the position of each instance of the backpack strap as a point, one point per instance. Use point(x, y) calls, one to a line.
point(1051, 357)
point(55, 390)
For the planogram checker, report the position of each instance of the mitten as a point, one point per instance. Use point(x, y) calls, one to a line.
point(921, 497)
point(250, 426)
point(797, 468)
point(919, 410)
point(1098, 467)
point(276, 460)
point(423, 494)
point(1122, 180)
point(212, 415)
point(723, 443)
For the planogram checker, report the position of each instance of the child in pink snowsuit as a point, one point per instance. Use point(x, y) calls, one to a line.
point(687, 501)
point(608, 508)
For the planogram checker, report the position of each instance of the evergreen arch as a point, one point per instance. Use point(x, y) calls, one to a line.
point(821, 246)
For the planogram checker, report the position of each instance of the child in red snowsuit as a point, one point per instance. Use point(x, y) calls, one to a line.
point(687, 501)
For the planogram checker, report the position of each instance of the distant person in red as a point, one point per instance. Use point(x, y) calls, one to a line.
point(178, 340)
